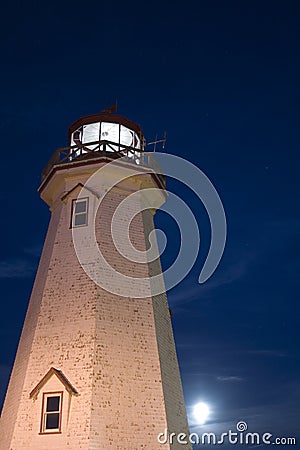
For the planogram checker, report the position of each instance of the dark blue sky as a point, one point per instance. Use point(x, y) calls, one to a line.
point(222, 78)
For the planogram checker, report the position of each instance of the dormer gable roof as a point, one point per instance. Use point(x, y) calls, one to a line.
point(78, 187)
point(64, 380)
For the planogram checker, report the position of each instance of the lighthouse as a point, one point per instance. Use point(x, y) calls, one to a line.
point(96, 366)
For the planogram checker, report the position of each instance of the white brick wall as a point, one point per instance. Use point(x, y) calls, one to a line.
point(118, 352)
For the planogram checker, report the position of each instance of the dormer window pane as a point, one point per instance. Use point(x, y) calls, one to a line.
point(80, 206)
point(53, 404)
point(52, 421)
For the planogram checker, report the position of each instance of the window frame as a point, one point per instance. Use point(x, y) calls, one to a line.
point(43, 429)
point(73, 213)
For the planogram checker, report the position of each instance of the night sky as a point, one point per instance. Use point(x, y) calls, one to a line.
point(222, 79)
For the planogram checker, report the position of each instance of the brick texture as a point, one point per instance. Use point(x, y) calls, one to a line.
point(117, 351)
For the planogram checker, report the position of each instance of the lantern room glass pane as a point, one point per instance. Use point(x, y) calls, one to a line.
point(109, 132)
point(90, 132)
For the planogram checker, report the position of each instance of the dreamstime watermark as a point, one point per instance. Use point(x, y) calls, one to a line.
point(239, 436)
point(117, 173)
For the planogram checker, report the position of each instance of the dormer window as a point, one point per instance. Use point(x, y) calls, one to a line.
point(51, 412)
point(80, 212)
point(53, 408)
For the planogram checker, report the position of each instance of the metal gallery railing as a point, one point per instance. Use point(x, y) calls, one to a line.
point(109, 149)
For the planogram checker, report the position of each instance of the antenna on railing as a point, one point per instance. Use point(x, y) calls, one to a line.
point(158, 141)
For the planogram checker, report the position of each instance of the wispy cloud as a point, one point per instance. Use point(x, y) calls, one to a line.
point(267, 353)
point(188, 292)
point(18, 268)
point(265, 241)
point(231, 378)
point(22, 266)
point(33, 250)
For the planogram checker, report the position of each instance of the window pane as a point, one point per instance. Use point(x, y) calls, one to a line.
point(52, 421)
point(53, 404)
point(80, 219)
point(80, 207)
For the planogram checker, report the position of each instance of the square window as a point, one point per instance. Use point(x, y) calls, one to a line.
point(51, 413)
point(79, 212)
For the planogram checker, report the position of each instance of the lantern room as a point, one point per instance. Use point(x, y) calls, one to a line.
point(105, 132)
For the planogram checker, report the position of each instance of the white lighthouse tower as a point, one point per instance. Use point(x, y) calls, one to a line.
point(96, 368)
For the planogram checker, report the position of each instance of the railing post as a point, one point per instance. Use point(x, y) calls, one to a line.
point(70, 153)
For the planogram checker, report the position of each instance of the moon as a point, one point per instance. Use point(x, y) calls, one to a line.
point(201, 412)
